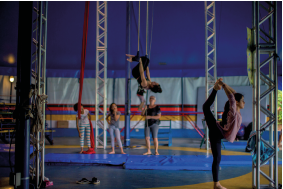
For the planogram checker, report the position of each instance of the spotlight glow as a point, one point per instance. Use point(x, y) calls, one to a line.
point(10, 59)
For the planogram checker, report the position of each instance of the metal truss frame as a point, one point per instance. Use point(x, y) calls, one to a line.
point(210, 54)
point(266, 50)
point(38, 91)
point(101, 75)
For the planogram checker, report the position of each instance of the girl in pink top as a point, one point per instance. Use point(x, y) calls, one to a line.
point(228, 128)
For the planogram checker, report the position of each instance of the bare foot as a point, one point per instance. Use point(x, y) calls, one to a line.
point(130, 59)
point(81, 151)
point(112, 152)
point(123, 153)
point(147, 153)
point(156, 153)
point(217, 185)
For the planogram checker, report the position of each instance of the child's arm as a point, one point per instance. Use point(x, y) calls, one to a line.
point(117, 115)
point(227, 87)
point(77, 123)
point(107, 119)
point(89, 117)
point(231, 98)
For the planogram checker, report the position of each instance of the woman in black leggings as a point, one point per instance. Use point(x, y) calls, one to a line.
point(138, 74)
point(228, 128)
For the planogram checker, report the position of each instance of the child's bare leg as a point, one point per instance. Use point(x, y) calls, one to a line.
point(122, 151)
point(82, 149)
point(113, 151)
point(142, 102)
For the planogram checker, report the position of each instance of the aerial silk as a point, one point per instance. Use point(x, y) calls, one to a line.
point(83, 55)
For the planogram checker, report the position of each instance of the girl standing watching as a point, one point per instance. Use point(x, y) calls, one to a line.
point(114, 127)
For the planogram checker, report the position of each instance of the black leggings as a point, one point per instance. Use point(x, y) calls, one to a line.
point(136, 69)
point(136, 74)
point(215, 135)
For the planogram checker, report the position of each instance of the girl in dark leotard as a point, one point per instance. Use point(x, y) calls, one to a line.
point(228, 128)
point(144, 83)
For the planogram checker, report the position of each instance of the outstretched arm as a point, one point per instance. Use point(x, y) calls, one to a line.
point(228, 90)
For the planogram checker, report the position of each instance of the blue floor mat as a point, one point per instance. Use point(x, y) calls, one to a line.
point(108, 159)
point(183, 162)
point(235, 145)
point(141, 162)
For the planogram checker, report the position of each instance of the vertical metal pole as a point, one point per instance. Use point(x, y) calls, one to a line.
point(22, 142)
point(257, 98)
point(214, 58)
point(271, 75)
point(127, 140)
point(44, 88)
point(254, 89)
point(206, 70)
point(97, 126)
point(105, 76)
point(39, 91)
point(275, 97)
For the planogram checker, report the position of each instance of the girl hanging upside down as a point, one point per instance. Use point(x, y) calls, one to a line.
point(144, 83)
point(228, 128)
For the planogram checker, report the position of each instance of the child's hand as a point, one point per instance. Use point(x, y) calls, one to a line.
point(218, 84)
point(80, 135)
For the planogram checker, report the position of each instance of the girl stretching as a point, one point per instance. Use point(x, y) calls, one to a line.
point(228, 128)
point(114, 126)
point(83, 125)
point(144, 83)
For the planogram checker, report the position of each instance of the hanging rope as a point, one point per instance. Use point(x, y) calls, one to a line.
point(146, 41)
point(139, 24)
point(137, 57)
point(151, 31)
point(146, 56)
